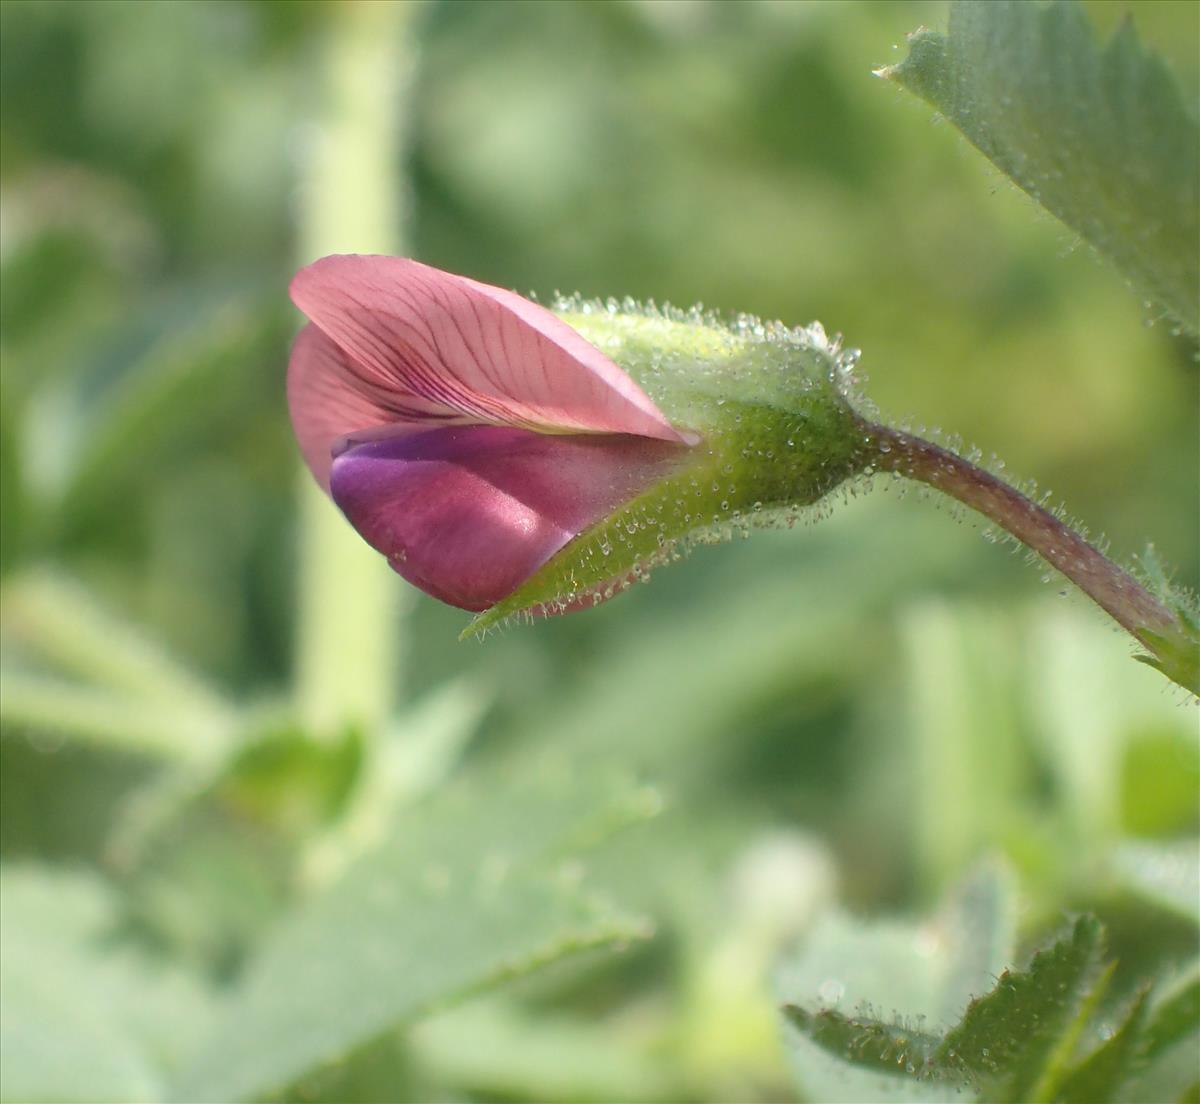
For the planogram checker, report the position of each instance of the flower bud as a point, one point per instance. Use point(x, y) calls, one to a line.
point(773, 429)
point(506, 458)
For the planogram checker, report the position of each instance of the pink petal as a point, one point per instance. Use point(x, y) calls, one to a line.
point(435, 345)
point(327, 400)
point(469, 513)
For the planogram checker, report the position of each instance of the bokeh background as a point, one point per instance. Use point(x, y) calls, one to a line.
point(225, 725)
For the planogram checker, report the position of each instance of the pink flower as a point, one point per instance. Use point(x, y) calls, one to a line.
point(466, 433)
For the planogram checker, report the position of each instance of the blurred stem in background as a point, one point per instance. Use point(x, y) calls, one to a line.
point(351, 201)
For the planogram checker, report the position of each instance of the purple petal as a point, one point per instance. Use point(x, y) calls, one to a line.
point(468, 513)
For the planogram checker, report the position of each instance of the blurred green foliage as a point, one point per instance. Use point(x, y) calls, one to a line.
point(609, 826)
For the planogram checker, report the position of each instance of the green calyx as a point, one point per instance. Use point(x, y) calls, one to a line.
point(776, 433)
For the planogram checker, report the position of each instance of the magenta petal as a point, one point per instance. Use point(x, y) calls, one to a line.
point(469, 513)
point(439, 346)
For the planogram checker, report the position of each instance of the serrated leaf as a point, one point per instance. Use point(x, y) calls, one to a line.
point(904, 984)
point(865, 1041)
point(83, 1018)
point(1099, 136)
point(479, 886)
point(1018, 1043)
point(1014, 1037)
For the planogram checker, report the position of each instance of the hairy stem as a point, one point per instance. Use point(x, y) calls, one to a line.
point(1114, 590)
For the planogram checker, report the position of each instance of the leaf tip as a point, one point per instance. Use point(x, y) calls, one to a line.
point(798, 1017)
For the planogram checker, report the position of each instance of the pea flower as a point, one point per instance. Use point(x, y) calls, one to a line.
point(502, 456)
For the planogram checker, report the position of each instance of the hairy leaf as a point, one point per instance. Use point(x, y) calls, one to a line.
point(1036, 1036)
point(905, 985)
point(1099, 136)
point(1012, 1042)
point(448, 906)
point(1015, 1035)
point(866, 1041)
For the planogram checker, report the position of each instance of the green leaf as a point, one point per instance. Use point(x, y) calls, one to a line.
point(904, 984)
point(1178, 600)
point(1177, 656)
point(866, 1041)
point(82, 1017)
point(1019, 1035)
point(1016, 1043)
point(482, 885)
point(1099, 136)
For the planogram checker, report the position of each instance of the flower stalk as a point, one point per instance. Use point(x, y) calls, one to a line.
point(513, 460)
point(1153, 624)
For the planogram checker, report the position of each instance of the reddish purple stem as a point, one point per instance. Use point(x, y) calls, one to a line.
point(1115, 591)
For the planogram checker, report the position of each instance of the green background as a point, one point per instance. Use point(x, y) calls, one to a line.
point(856, 711)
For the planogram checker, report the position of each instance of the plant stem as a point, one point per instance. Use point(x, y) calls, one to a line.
point(352, 200)
point(1114, 590)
